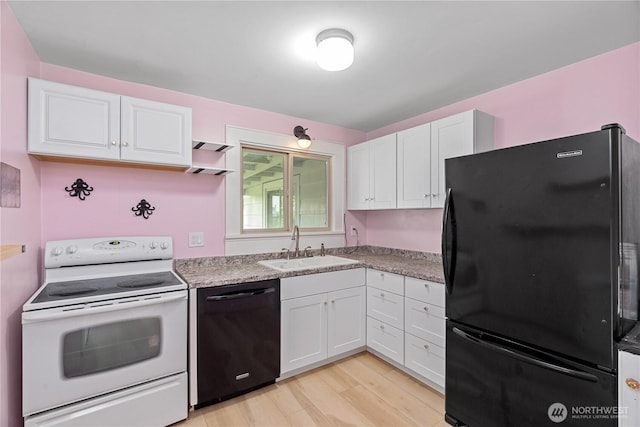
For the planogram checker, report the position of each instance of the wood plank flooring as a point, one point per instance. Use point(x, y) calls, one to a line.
point(361, 390)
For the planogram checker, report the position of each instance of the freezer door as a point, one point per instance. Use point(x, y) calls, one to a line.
point(490, 383)
point(529, 242)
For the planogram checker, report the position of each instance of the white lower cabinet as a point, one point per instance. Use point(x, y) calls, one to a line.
point(424, 327)
point(385, 314)
point(323, 315)
point(405, 323)
point(628, 389)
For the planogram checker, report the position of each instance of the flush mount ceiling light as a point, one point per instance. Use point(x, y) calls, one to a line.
point(335, 49)
point(304, 141)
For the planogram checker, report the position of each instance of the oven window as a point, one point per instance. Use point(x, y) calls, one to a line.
point(110, 346)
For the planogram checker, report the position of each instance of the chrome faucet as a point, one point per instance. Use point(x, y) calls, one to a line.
point(296, 237)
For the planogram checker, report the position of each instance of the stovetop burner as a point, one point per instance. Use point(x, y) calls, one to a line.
point(60, 291)
point(71, 291)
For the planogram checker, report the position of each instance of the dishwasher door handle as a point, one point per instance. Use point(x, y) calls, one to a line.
point(237, 295)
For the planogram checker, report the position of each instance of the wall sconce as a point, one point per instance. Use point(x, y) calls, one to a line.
point(335, 49)
point(304, 141)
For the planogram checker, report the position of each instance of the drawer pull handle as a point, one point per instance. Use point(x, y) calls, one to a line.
point(381, 294)
point(333, 301)
point(425, 308)
point(426, 285)
point(381, 274)
point(632, 383)
point(426, 347)
point(382, 327)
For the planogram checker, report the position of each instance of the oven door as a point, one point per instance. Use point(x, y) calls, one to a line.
point(77, 352)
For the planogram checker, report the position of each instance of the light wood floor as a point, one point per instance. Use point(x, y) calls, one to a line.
point(361, 390)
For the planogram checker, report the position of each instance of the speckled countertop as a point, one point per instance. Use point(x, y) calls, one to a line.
point(225, 270)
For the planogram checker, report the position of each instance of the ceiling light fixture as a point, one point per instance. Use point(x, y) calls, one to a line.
point(304, 141)
point(335, 49)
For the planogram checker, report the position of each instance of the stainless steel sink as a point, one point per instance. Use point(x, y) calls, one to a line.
point(306, 263)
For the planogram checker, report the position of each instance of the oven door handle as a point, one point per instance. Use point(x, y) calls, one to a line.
point(98, 307)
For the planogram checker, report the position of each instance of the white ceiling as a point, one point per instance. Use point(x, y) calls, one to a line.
point(411, 57)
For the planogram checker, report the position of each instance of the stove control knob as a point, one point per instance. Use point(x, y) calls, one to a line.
point(57, 251)
point(153, 245)
point(164, 245)
point(72, 249)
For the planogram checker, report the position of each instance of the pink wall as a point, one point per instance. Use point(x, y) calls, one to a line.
point(183, 202)
point(19, 274)
point(575, 99)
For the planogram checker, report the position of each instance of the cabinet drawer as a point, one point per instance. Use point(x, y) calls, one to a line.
point(426, 291)
point(385, 306)
point(388, 281)
point(385, 339)
point(424, 320)
point(425, 358)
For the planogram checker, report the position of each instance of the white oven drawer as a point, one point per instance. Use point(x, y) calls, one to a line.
point(77, 352)
point(133, 407)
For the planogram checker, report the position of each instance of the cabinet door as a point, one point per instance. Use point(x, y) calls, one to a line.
point(73, 122)
point(382, 173)
point(304, 331)
point(628, 396)
point(347, 317)
point(414, 167)
point(154, 132)
point(358, 177)
point(450, 137)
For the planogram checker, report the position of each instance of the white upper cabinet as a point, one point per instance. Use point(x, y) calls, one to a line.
point(414, 167)
point(155, 132)
point(465, 133)
point(69, 121)
point(372, 174)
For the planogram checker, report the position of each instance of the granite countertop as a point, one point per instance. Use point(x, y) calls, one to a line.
point(226, 270)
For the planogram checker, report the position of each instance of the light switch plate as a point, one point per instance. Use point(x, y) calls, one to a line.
point(196, 238)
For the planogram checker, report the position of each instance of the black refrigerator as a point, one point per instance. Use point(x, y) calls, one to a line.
point(539, 248)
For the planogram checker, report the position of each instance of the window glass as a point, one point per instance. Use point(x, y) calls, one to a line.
point(110, 346)
point(310, 195)
point(281, 190)
point(263, 190)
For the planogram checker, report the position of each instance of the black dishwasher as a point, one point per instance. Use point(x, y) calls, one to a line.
point(238, 339)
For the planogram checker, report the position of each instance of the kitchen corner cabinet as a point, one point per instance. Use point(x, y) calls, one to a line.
point(69, 121)
point(628, 389)
point(323, 316)
point(372, 174)
point(405, 324)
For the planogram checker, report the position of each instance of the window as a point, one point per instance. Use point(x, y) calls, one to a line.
point(282, 189)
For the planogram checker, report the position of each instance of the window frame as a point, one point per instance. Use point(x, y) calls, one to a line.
point(238, 243)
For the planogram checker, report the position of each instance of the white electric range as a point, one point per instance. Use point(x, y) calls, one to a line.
point(105, 337)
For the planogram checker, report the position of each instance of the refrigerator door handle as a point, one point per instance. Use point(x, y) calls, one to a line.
point(526, 358)
point(448, 263)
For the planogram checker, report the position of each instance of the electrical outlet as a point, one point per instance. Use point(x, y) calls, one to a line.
point(353, 231)
point(196, 238)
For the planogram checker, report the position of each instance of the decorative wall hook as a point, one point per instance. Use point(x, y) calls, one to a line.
point(79, 189)
point(143, 209)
